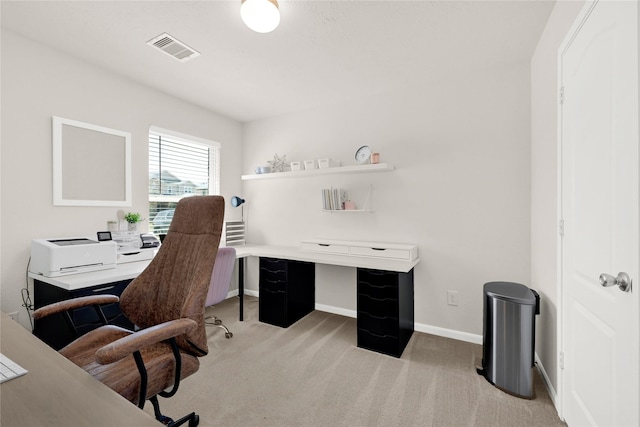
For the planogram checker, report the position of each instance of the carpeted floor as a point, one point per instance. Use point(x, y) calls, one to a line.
point(312, 374)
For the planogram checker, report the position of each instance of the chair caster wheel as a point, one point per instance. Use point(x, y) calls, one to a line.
point(194, 422)
point(228, 335)
point(217, 322)
point(165, 420)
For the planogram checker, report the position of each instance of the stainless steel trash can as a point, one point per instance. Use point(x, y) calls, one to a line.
point(508, 342)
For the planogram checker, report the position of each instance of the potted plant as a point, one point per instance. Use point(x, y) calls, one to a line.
point(133, 218)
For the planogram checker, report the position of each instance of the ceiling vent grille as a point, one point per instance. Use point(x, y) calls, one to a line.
point(173, 47)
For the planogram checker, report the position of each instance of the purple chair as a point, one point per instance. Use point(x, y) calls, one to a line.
point(220, 282)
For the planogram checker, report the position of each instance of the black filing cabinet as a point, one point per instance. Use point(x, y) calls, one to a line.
point(287, 291)
point(54, 329)
point(385, 310)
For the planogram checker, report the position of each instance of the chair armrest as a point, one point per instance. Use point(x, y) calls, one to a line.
point(74, 303)
point(144, 338)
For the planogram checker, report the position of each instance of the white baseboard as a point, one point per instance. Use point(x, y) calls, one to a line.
point(448, 333)
point(547, 382)
point(251, 292)
point(420, 327)
point(337, 310)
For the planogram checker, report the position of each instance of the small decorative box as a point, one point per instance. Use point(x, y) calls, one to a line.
point(296, 166)
point(324, 163)
point(327, 163)
point(309, 164)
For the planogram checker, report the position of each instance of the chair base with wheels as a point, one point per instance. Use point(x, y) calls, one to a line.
point(214, 321)
point(220, 283)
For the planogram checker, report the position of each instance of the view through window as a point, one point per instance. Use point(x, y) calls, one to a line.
point(179, 166)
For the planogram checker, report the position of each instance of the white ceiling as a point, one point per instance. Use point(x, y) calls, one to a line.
point(322, 52)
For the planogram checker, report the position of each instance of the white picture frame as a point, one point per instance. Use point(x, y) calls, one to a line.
point(91, 164)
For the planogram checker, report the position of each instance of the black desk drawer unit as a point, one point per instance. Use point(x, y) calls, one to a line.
point(55, 331)
point(385, 310)
point(287, 291)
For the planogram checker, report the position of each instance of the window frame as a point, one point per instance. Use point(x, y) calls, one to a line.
point(214, 164)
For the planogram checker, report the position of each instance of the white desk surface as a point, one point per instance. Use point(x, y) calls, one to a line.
point(132, 269)
point(294, 253)
point(72, 282)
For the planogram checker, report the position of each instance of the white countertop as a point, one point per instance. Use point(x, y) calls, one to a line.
point(71, 282)
point(131, 270)
point(294, 253)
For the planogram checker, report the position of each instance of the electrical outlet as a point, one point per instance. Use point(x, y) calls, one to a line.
point(14, 315)
point(452, 298)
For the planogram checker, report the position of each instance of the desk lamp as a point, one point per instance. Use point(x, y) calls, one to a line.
point(237, 201)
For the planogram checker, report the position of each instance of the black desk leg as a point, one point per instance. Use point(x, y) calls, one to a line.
point(241, 286)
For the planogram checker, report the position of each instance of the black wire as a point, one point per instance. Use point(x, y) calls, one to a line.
point(26, 298)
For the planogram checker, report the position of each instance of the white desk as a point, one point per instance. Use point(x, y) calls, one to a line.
point(131, 270)
point(295, 254)
point(385, 292)
point(401, 271)
point(73, 282)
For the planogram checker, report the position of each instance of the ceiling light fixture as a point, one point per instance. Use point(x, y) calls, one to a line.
point(262, 16)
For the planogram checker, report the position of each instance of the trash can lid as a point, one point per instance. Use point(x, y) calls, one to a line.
point(509, 291)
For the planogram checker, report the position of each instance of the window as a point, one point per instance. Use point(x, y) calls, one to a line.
point(179, 166)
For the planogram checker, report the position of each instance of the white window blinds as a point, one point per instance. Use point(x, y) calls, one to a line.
point(179, 166)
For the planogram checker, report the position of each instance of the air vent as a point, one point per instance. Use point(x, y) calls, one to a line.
point(173, 47)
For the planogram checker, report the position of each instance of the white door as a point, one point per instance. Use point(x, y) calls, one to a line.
point(599, 140)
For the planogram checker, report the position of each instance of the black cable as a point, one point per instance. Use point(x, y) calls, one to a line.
point(26, 298)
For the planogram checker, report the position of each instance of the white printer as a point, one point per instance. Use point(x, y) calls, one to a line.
point(58, 257)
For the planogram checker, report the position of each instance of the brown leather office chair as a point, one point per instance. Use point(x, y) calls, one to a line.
point(166, 301)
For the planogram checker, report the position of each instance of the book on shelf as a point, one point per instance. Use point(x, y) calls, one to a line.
point(333, 199)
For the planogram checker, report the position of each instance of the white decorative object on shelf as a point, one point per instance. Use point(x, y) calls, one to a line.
point(263, 169)
point(309, 164)
point(380, 167)
point(327, 163)
point(278, 164)
point(296, 166)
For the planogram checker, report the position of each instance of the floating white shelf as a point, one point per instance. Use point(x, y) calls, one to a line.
point(378, 167)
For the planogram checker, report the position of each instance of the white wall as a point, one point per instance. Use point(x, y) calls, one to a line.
point(461, 189)
point(544, 180)
point(38, 83)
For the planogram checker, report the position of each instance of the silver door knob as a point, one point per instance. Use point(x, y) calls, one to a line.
point(622, 280)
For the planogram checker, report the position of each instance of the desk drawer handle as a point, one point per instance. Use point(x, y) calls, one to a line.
point(384, 336)
point(378, 249)
point(106, 288)
point(391, 287)
point(326, 245)
point(378, 299)
point(266, 270)
point(380, 317)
